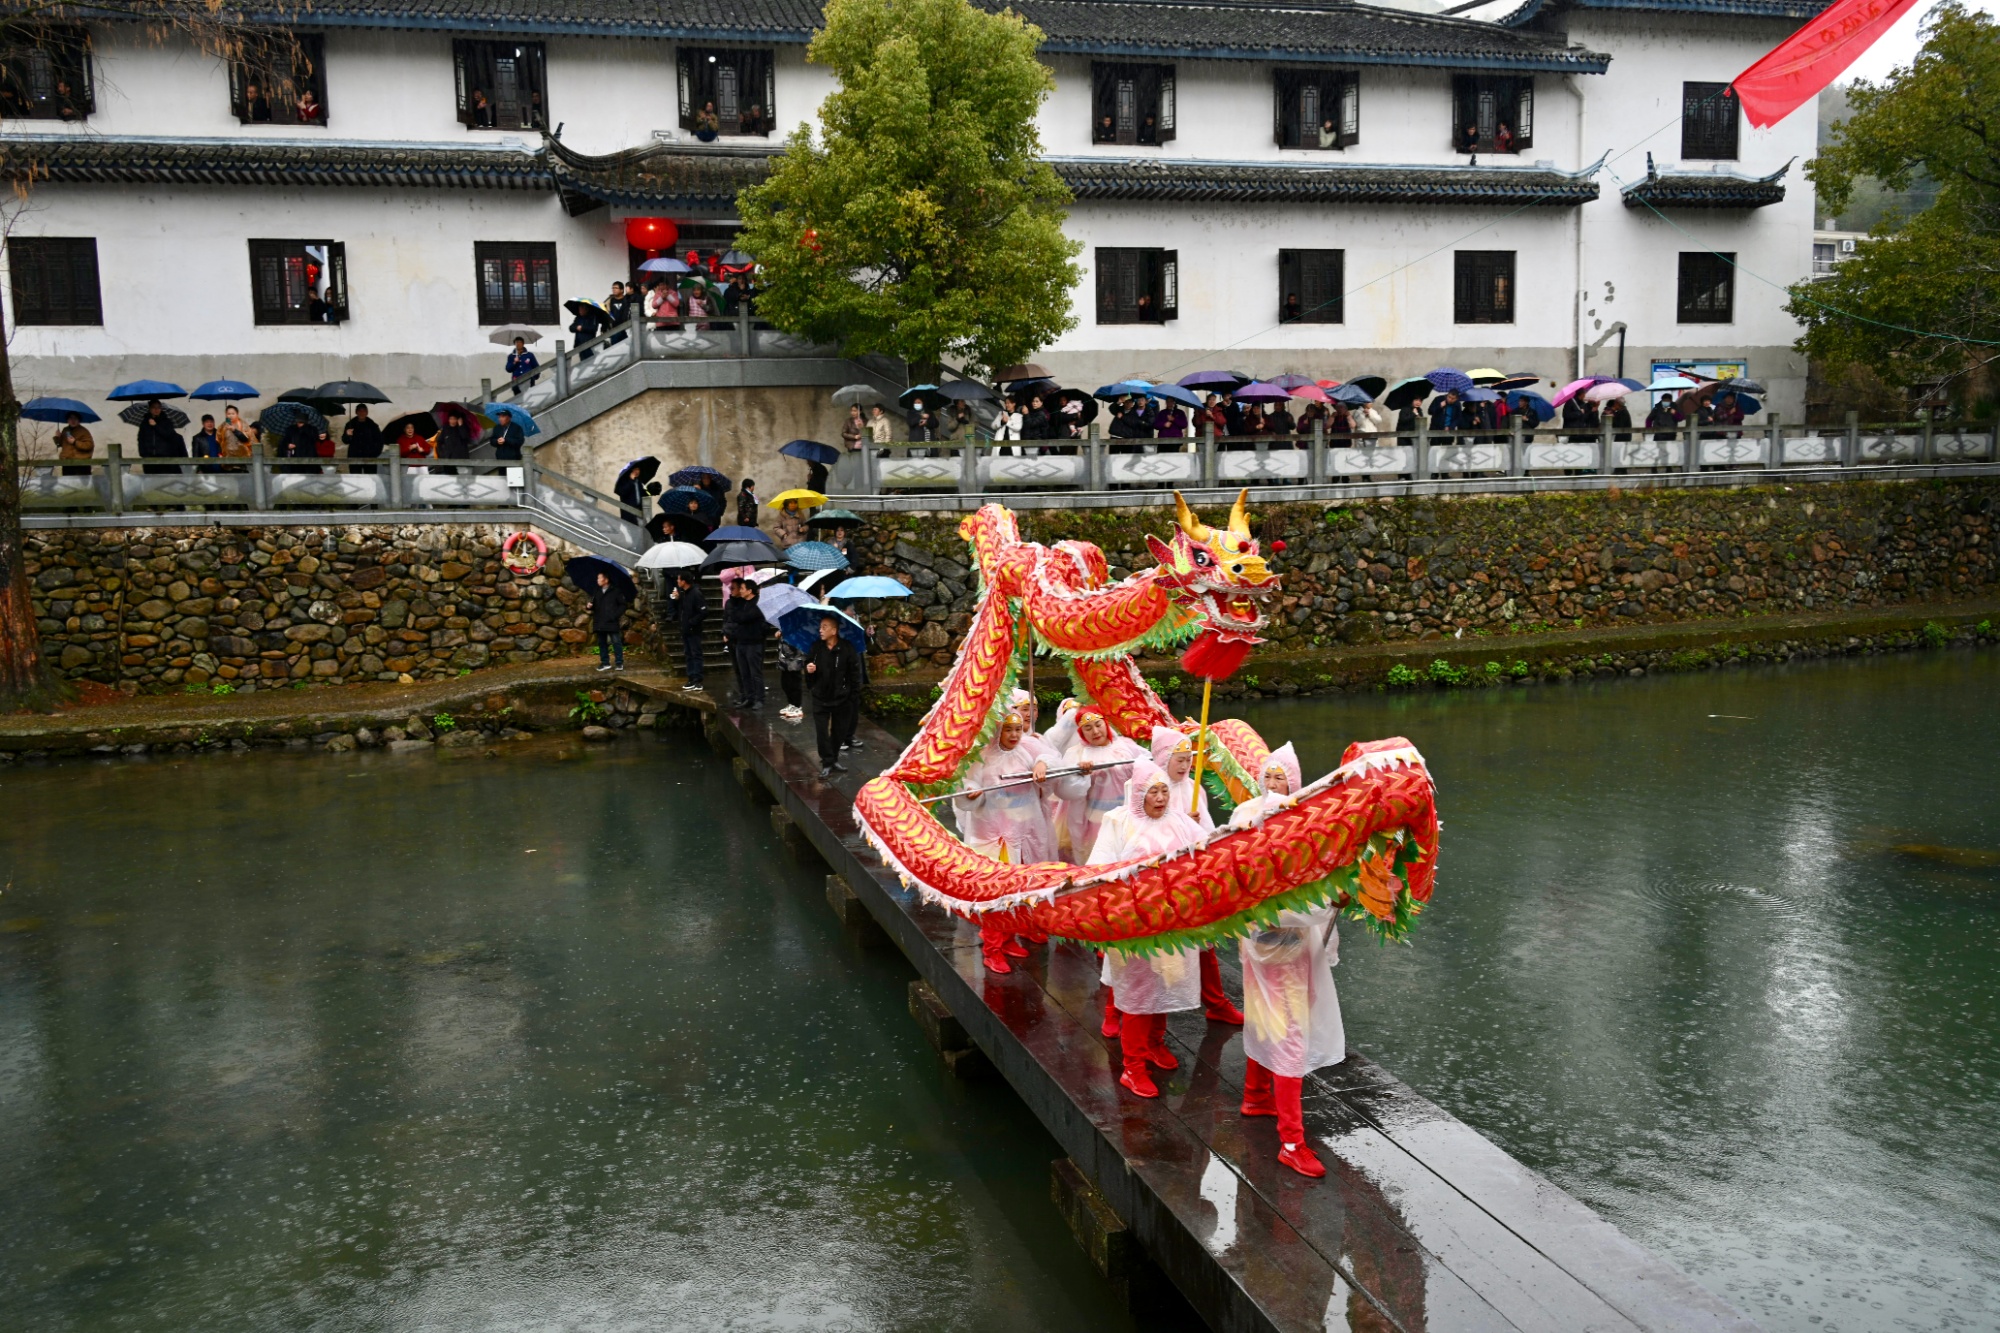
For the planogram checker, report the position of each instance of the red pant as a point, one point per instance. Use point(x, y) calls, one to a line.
point(1139, 1035)
point(1212, 994)
point(1261, 1085)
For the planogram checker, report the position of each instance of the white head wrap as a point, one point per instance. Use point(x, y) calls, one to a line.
point(1285, 759)
point(1165, 741)
point(1144, 774)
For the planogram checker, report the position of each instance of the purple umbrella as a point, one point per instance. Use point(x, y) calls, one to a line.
point(1221, 381)
point(1262, 393)
point(1294, 381)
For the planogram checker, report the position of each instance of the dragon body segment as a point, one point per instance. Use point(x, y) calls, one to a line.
point(1364, 835)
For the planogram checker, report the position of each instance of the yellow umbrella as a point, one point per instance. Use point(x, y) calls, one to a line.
point(810, 499)
point(1486, 375)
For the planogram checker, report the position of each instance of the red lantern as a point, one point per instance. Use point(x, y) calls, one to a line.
point(651, 234)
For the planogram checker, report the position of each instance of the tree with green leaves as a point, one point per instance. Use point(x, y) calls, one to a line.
point(1920, 300)
point(922, 222)
point(225, 29)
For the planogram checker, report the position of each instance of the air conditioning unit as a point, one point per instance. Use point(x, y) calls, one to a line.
point(1847, 245)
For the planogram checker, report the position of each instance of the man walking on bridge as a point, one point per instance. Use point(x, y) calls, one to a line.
point(833, 670)
point(690, 613)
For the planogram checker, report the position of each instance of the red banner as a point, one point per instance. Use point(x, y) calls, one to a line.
point(1813, 57)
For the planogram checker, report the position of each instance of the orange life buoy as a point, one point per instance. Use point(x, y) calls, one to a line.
point(519, 565)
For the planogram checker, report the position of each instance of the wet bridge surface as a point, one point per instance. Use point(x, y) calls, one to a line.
point(1420, 1223)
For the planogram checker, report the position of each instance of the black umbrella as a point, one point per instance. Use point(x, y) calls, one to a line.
point(1090, 406)
point(706, 503)
point(812, 451)
point(326, 407)
point(135, 415)
point(742, 553)
point(685, 527)
point(1408, 392)
point(964, 391)
point(278, 417)
point(697, 476)
point(656, 528)
point(425, 423)
point(349, 391)
point(644, 469)
point(836, 518)
point(584, 569)
point(1372, 385)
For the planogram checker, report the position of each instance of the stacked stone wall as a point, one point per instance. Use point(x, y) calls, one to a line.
point(168, 608)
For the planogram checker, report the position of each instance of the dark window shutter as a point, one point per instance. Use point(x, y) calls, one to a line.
point(1288, 281)
point(1107, 286)
point(237, 79)
point(1166, 113)
point(1167, 302)
point(336, 279)
point(687, 90)
point(1464, 109)
point(770, 93)
point(1524, 115)
point(1281, 92)
point(86, 80)
point(1350, 110)
point(1707, 288)
point(461, 53)
point(1321, 274)
point(55, 280)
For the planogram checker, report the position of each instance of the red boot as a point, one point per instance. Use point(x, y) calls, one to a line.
point(1134, 1039)
point(1035, 936)
point(1013, 947)
point(1110, 1027)
point(1293, 1150)
point(1156, 1044)
point(1257, 1098)
point(1215, 1001)
point(992, 949)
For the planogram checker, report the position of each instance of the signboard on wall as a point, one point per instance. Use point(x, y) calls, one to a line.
point(1703, 370)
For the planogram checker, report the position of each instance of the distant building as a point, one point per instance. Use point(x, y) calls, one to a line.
point(1832, 247)
point(1329, 187)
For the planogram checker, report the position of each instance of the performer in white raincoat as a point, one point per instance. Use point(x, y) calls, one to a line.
point(1054, 791)
point(1292, 1016)
point(1174, 752)
point(1005, 822)
point(1100, 793)
point(1150, 986)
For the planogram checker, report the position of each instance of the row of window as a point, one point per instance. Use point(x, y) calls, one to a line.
point(55, 281)
point(503, 85)
point(1142, 286)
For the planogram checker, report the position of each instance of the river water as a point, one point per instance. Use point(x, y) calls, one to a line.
point(555, 1041)
point(1677, 963)
point(560, 1040)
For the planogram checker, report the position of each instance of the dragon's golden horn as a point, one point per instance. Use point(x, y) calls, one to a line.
point(1190, 524)
point(1239, 522)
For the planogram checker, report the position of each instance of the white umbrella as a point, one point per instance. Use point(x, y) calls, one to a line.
point(507, 333)
point(848, 395)
point(672, 555)
point(775, 602)
point(1671, 384)
point(817, 575)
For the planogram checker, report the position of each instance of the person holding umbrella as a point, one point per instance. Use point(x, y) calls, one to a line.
point(690, 614)
point(507, 436)
point(608, 604)
point(788, 525)
point(833, 673)
point(521, 361)
point(363, 439)
point(409, 444)
point(74, 442)
point(159, 439)
point(852, 429)
point(454, 437)
point(744, 628)
point(207, 444)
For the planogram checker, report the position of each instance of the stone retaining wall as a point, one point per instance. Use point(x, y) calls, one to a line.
point(166, 608)
point(1433, 568)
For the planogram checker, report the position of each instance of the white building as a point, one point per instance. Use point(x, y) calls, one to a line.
point(178, 227)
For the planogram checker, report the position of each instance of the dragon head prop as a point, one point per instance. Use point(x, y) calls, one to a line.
point(1218, 576)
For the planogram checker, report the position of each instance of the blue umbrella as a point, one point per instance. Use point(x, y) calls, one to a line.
point(707, 503)
point(221, 391)
point(56, 410)
point(734, 533)
point(910, 394)
point(696, 476)
point(800, 626)
point(812, 451)
point(139, 390)
point(815, 555)
point(1351, 394)
point(521, 418)
point(1222, 381)
point(664, 265)
point(1479, 394)
point(1123, 389)
point(1750, 406)
point(1175, 393)
point(1531, 404)
point(584, 569)
point(869, 585)
point(1445, 379)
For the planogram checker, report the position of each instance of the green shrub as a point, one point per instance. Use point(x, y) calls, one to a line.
point(1400, 674)
point(1936, 635)
point(1444, 673)
point(587, 712)
point(1494, 671)
point(1519, 671)
point(444, 722)
point(221, 687)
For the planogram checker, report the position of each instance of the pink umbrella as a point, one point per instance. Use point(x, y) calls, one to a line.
point(735, 572)
point(1575, 387)
point(1311, 393)
point(1605, 392)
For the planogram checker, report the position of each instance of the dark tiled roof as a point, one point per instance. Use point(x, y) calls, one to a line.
point(1224, 182)
point(1705, 189)
point(1293, 30)
point(660, 177)
point(79, 158)
point(1767, 9)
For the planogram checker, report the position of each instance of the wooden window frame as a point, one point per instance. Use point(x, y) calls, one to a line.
point(1484, 284)
point(279, 272)
point(1339, 89)
point(1705, 288)
point(35, 61)
point(475, 65)
point(1127, 92)
point(1319, 279)
point(754, 67)
point(1481, 99)
point(55, 281)
point(529, 253)
point(1125, 273)
point(305, 52)
point(1711, 123)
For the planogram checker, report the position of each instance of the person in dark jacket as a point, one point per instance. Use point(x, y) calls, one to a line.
point(300, 440)
point(744, 629)
point(690, 614)
point(159, 439)
point(589, 322)
point(363, 439)
point(608, 605)
point(454, 439)
point(746, 504)
point(207, 444)
point(507, 437)
point(833, 674)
